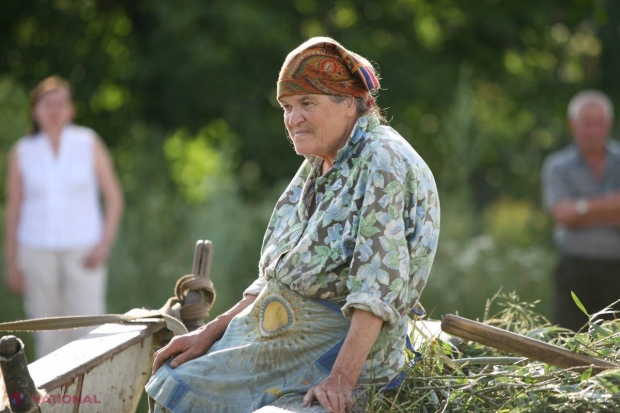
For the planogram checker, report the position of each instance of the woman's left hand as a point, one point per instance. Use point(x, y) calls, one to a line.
point(97, 256)
point(334, 394)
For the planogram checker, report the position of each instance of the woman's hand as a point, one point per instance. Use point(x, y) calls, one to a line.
point(14, 280)
point(334, 393)
point(184, 348)
point(195, 344)
point(97, 256)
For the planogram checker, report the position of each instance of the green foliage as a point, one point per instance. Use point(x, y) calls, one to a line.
point(183, 93)
point(13, 118)
point(578, 303)
point(515, 223)
point(174, 66)
point(196, 164)
point(467, 270)
point(466, 379)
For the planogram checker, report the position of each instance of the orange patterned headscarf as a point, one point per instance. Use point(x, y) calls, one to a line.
point(322, 66)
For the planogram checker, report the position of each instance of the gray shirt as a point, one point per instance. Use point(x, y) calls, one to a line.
point(566, 176)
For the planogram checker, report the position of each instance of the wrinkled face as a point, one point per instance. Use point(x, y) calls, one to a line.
point(317, 125)
point(54, 110)
point(591, 128)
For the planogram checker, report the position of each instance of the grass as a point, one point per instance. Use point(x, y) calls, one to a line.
point(452, 379)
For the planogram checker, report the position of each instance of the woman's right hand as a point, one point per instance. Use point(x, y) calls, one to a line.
point(14, 280)
point(186, 347)
point(195, 344)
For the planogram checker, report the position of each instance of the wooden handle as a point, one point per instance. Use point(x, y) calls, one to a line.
point(521, 345)
point(202, 259)
point(201, 268)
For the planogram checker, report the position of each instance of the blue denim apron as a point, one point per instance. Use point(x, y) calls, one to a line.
point(284, 343)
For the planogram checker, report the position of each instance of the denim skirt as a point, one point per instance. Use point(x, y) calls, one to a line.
point(281, 345)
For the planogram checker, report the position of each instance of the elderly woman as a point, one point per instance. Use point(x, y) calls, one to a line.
point(345, 257)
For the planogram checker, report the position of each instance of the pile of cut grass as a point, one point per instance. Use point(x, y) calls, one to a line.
point(461, 378)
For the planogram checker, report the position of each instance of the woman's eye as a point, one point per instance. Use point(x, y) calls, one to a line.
point(287, 108)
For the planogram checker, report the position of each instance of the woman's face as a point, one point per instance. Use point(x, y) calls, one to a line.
point(54, 110)
point(317, 125)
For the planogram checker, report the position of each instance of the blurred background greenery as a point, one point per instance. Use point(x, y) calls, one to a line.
point(183, 93)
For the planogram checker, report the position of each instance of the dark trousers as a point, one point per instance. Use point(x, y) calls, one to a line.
point(595, 282)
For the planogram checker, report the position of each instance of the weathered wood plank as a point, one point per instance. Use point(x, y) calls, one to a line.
point(293, 404)
point(54, 404)
point(424, 330)
point(521, 345)
point(66, 364)
point(117, 384)
point(292, 408)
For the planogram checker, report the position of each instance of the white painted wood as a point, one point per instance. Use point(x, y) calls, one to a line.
point(117, 384)
point(104, 371)
point(51, 404)
point(422, 331)
point(69, 362)
point(291, 408)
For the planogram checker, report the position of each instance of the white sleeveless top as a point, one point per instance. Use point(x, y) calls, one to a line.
point(60, 205)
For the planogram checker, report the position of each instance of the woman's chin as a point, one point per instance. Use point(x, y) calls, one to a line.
point(302, 150)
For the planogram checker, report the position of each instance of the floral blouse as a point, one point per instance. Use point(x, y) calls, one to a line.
point(363, 235)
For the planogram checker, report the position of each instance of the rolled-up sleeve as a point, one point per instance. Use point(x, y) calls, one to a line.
point(379, 272)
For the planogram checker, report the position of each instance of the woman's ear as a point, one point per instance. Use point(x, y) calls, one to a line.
point(351, 106)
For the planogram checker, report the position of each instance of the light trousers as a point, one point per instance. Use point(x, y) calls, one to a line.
point(58, 284)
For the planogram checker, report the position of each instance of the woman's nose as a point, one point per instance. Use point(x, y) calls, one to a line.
point(295, 117)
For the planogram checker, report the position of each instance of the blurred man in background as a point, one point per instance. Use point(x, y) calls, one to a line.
point(581, 191)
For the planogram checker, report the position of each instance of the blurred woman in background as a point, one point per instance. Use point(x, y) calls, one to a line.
point(57, 240)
